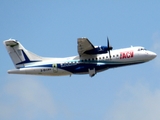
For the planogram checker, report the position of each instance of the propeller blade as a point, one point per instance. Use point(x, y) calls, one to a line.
point(107, 41)
point(108, 48)
point(109, 54)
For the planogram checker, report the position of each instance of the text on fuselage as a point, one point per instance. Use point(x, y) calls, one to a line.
point(126, 54)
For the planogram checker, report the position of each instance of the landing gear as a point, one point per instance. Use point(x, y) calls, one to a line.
point(91, 72)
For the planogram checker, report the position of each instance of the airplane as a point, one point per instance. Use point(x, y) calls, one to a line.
point(90, 59)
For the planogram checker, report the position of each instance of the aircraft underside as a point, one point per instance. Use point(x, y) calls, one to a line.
point(59, 70)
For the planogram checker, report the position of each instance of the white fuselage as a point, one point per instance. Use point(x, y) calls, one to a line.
point(86, 64)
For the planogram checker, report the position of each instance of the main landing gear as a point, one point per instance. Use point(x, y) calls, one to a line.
point(91, 72)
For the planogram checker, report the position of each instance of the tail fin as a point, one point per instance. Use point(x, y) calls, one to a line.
point(19, 55)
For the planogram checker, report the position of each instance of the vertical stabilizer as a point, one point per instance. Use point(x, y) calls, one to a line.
point(19, 55)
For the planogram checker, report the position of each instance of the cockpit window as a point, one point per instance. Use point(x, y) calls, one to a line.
point(140, 49)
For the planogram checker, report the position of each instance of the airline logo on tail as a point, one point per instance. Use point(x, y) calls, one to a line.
point(27, 60)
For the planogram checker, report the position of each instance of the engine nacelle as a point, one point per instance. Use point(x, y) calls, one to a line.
point(99, 50)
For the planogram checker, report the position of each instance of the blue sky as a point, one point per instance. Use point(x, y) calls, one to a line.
point(51, 28)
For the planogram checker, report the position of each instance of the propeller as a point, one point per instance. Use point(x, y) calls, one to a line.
point(109, 47)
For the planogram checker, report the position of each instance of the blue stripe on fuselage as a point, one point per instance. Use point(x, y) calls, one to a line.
point(82, 67)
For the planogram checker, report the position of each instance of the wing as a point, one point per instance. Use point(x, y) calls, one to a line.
point(84, 45)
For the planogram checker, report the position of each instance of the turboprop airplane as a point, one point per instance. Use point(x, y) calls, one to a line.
point(91, 59)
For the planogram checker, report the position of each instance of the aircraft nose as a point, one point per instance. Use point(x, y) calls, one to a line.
point(152, 55)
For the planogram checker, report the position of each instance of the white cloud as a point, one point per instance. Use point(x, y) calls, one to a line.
point(156, 39)
point(136, 102)
point(26, 98)
point(156, 46)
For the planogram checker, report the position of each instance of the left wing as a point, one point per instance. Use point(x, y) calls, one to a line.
point(84, 45)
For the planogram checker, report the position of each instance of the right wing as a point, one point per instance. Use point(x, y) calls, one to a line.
point(84, 45)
